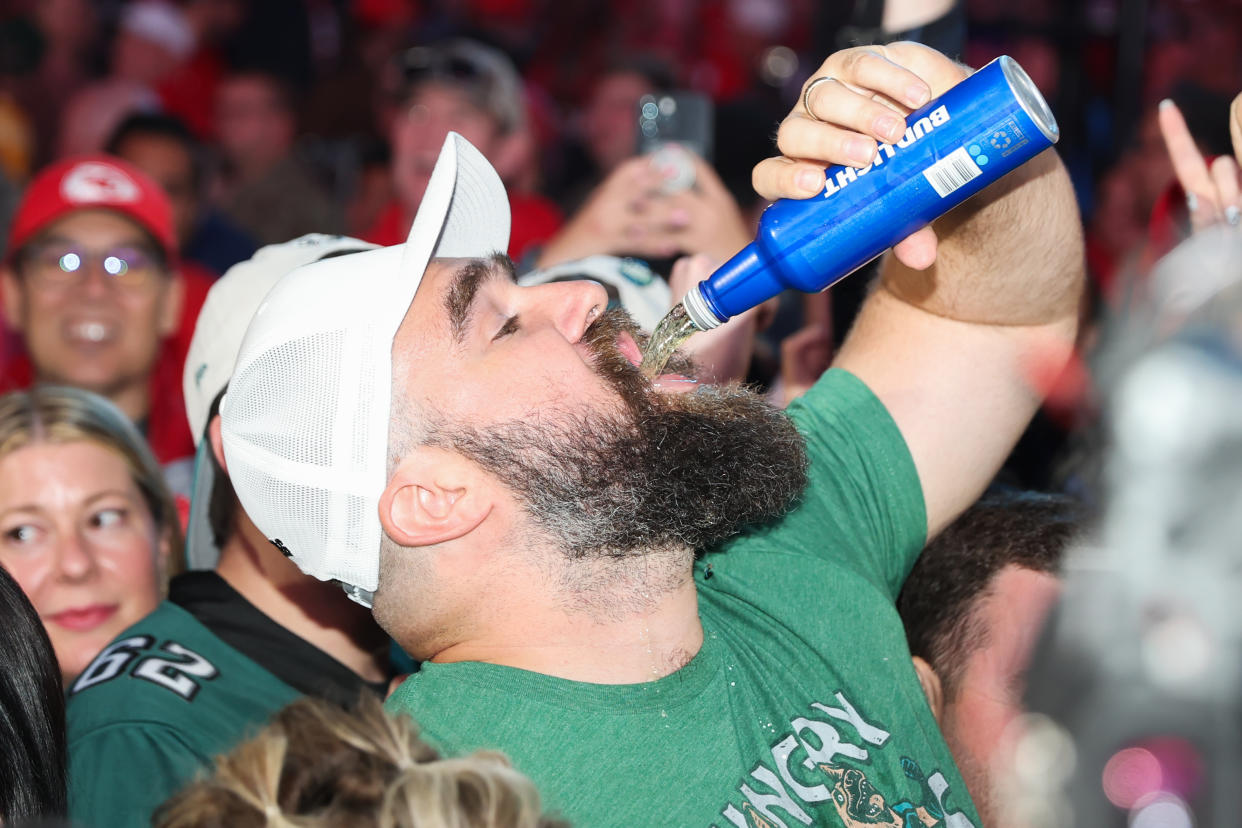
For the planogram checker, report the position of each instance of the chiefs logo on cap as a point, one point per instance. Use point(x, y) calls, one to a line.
point(93, 183)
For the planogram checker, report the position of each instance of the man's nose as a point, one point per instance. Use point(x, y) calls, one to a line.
point(575, 305)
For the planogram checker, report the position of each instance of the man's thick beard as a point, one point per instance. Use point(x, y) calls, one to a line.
point(668, 471)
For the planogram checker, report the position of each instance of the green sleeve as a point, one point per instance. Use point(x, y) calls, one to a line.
point(119, 774)
point(863, 505)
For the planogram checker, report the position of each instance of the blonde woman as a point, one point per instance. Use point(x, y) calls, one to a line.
point(319, 765)
point(87, 527)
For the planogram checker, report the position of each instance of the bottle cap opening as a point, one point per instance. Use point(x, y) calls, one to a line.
point(699, 311)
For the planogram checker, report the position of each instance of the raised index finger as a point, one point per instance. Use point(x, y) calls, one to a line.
point(1235, 127)
point(1188, 164)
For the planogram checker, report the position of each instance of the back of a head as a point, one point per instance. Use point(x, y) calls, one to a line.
point(955, 572)
point(222, 320)
point(318, 765)
point(32, 714)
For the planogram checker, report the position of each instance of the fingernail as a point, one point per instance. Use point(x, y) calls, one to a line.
point(890, 129)
point(1233, 215)
point(917, 94)
point(1166, 103)
point(810, 181)
point(1192, 202)
point(859, 150)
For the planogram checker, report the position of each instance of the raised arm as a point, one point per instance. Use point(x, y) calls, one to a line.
point(946, 347)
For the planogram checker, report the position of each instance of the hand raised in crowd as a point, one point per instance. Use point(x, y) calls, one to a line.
point(872, 89)
point(1212, 190)
point(701, 219)
point(615, 218)
point(631, 213)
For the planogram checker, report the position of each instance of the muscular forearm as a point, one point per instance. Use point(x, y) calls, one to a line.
point(1012, 255)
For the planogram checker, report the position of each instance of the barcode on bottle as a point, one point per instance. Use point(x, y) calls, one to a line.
point(953, 171)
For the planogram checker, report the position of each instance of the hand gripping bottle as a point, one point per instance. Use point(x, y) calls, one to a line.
point(954, 146)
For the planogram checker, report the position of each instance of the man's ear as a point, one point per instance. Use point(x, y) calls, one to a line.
point(217, 442)
point(434, 496)
point(12, 297)
point(931, 686)
point(170, 311)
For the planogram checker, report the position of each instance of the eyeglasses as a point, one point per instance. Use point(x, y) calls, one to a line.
point(57, 265)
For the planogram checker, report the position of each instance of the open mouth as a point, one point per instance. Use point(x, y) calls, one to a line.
point(677, 383)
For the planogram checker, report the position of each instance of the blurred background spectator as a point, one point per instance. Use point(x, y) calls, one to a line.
point(163, 148)
point(262, 184)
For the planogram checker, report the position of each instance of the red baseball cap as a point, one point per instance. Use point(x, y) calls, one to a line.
point(93, 182)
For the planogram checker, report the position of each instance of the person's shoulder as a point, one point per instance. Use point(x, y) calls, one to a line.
point(170, 673)
point(838, 393)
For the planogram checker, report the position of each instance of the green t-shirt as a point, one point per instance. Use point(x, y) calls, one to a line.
point(155, 706)
point(801, 708)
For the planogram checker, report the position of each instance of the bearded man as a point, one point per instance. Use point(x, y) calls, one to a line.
point(667, 603)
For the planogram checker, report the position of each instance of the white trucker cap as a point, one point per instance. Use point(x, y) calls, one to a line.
point(222, 322)
point(305, 419)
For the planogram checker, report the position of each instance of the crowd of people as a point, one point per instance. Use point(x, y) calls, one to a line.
point(320, 388)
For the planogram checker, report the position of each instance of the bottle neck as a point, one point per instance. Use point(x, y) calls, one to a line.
point(745, 281)
point(699, 311)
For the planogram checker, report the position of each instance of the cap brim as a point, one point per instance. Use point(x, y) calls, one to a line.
point(464, 211)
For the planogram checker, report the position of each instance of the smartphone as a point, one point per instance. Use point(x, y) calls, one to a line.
point(671, 123)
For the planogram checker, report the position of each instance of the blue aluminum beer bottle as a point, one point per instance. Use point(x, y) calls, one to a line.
point(954, 146)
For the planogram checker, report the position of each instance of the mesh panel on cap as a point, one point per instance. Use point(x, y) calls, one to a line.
point(309, 463)
point(303, 411)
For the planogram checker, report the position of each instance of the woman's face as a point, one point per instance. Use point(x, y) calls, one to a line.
point(77, 536)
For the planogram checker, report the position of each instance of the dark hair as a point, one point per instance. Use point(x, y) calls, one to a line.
point(32, 713)
point(956, 570)
point(159, 125)
point(223, 505)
